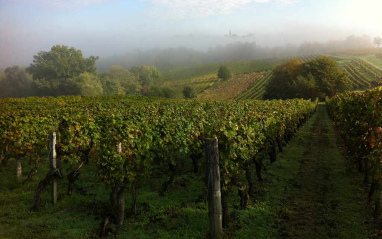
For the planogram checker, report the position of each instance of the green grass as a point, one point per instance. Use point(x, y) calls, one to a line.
point(261, 219)
point(349, 193)
point(178, 214)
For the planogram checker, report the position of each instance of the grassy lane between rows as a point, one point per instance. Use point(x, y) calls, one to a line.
point(261, 220)
point(312, 191)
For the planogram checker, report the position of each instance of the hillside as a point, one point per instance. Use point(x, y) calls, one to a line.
point(232, 88)
point(249, 80)
point(358, 67)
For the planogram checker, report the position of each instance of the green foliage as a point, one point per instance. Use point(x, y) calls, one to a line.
point(147, 74)
point(151, 132)
point(85, 84)
point(188, 92)
point(319, 77)
point(329, 78)
point(224, 73)
point(15, 82)
point(304, 87)
point(359, 118)
point(162, 92)
point(51, 69)
point(111, 86)
point(281, 85)
point(128, 81)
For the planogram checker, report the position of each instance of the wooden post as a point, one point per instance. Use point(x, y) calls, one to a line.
point(214, 193)
point(53, 164)
point(120, 207)
point(119, 148)
point(19, 169)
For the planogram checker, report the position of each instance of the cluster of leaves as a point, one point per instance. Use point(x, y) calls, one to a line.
point(224, 73)
point(188, 92)
point(16, 82)
point(359, 118)
point(319, 77)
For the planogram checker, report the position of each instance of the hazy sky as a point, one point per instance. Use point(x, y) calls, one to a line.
point(106, 27)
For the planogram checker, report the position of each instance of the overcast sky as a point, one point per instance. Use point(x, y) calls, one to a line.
point(107, 27)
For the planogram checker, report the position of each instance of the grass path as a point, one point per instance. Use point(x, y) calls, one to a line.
point(311, 191)
point(326, 200)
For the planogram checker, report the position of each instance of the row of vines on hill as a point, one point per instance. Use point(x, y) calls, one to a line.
point(359, 118)
point(126, 136)
point(361, 74)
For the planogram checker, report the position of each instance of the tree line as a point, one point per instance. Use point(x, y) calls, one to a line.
point(65, 71)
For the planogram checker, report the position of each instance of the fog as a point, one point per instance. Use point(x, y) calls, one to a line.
point(109, 28)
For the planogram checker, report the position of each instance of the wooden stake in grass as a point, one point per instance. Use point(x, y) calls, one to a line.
point(214, 193)
point(53, 164)
point(19, 169)
point(117, 197)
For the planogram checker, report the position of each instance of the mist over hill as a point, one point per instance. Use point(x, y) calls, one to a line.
point(235, 48)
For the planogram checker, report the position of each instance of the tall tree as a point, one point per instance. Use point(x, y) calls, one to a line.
point(111, 86)
point(85, 84)
point(146, 74)
point(128, 81)
point(15, 83)
point(188, 92)
point(283, 81)
point(224, 73)
point(329, 78)
point(319, 77)
point(51, 69)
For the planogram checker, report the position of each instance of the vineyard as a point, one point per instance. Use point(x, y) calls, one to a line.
point(359, 118)
point(236, 67)
point(140, 167)
point(373, 60)
point(199, 84)
point(139, 143)
point(248, 82)
point(361, 74)
point(232, 88)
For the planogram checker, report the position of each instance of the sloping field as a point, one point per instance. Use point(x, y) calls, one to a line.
point(231, 89)
point(361, 74)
